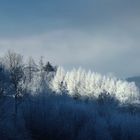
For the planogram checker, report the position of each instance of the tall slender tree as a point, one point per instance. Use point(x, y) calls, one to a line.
point(14, 63)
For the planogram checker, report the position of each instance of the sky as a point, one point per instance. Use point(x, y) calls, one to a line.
point(101, 35)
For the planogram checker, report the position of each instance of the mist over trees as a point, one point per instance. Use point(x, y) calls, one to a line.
point(39, 101)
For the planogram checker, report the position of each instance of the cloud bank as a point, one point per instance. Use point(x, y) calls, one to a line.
point(70, 48)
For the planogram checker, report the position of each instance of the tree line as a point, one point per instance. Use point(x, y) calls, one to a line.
point(16, 76)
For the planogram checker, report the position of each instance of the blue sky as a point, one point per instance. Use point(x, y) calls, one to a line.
point(101, 35)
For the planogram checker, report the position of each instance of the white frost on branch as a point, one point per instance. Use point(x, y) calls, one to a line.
point(93, 84)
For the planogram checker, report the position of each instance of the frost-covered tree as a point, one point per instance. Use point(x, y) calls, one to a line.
point(15, 65)
point(58, 80)
point(92, 85)
point(46, 73)
point(39, 76)
point(30, 69)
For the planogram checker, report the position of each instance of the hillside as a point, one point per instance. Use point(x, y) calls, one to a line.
point(39, 101)
point(135, 79)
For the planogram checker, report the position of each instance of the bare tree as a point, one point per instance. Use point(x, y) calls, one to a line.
point(30, 69)
point(14, 62)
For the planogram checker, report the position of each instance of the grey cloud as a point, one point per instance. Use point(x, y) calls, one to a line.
point(23, 18)
point(103, 53)
point(102, 35)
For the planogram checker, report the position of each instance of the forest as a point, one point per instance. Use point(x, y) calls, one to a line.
point(40, 101)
